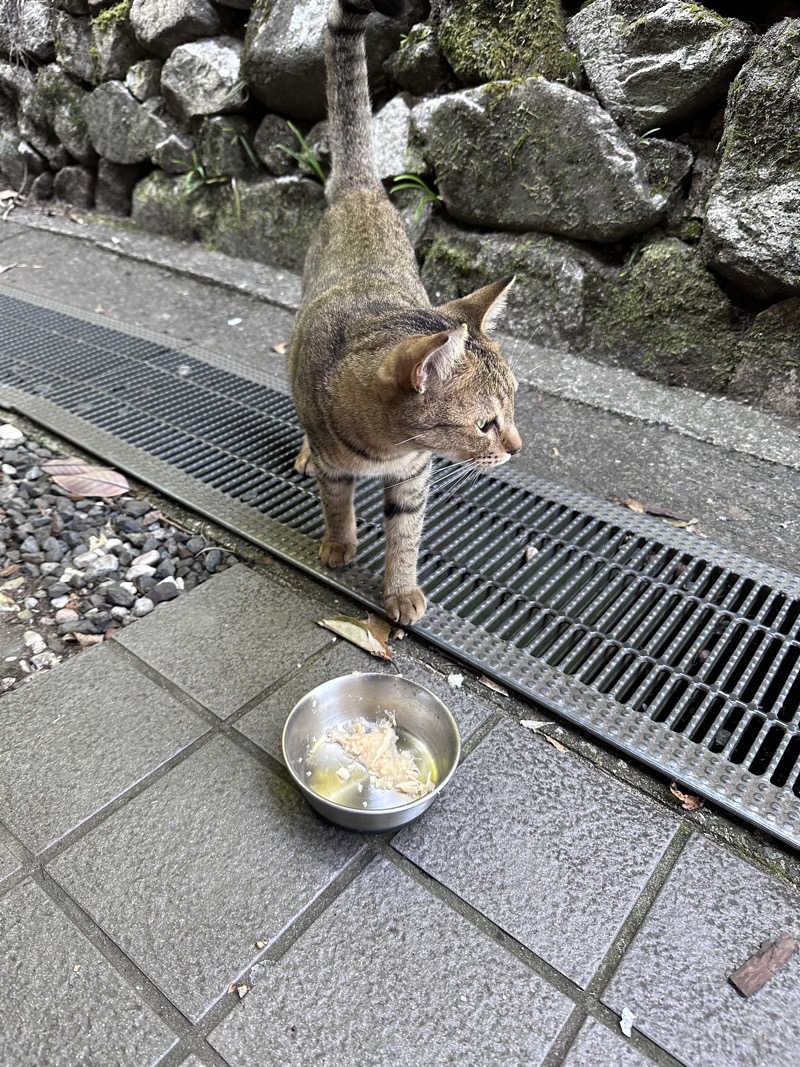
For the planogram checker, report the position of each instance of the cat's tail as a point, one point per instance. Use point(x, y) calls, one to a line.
point(349, 111)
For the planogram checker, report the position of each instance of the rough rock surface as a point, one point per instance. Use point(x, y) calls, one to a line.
point(73, 43)
point(490, 40)
point(768, 368)
point(665, 316)
point(546, 302)
point(652, 62)
point(418, 65)
point(75, 185)
point(26, 26)
point(272, 131)
point(752, 224)
point(114, 186)
point(121, 128)
point(42, 186)
point(283, 60)
point(224, 145)
point(561, 162)
point(114, 48)
point(143, 80)
point(57, 102)
point(203, 78)
point(390, 137)
point(162, 25)
point(174, 153)
point(161, 204)
point(274, 222)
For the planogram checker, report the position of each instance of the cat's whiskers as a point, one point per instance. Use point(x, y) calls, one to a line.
point(414, 438)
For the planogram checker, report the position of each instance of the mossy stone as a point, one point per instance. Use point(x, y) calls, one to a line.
point(768, 360)
point(162, 204)
point(418, 65)
point(225, 146)
point(57, 104)
point(752, 234)
point(491, 40)
point(546, 302)
point(271, 221)
point(665, 316)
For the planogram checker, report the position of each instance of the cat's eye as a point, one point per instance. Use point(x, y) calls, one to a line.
point(484, 427)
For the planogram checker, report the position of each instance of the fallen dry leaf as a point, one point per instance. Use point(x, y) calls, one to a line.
point(556, 453)
point(8, 266)
point(242, 990)
point(357, 632)
point(634, 505)
point(556, 744)
point(535, 724)
point(492, 685)
point(7, 194)
point(762, 965)
point(689, 802)
point(82, 479)
point(280, 348)
point(380, 627)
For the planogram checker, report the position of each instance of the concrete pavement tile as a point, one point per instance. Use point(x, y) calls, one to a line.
point(63, 1004)
point(713, 913)
point(390, 975)
point(8, 862)
point(264, 723)
point(229, 638)
point(597, 1046)
point(543, 844)
point(73, 739)
point(185, 878)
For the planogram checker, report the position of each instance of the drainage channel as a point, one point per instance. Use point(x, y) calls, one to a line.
point(673, 649)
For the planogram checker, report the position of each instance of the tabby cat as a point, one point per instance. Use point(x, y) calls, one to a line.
point(381, 379)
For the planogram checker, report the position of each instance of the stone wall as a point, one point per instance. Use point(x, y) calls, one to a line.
point(635, 162)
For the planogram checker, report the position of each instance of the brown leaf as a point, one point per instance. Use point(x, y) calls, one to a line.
point(556, 744)
point(663, 513)
point(357, 632)
point(492, 685)
point(380, 627)
point(81, 479)
point(634, 505)
point(762, 965)
point(280, 348)
point(689, 802)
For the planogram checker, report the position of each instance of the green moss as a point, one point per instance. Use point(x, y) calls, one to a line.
point(704, 14)
point(489, 41)
point(666, 315)
point(112, 14)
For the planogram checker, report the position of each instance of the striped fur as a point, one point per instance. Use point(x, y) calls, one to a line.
point(381, 379)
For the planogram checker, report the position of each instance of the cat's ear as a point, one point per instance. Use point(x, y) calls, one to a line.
point(415, 363)
point(482, 308)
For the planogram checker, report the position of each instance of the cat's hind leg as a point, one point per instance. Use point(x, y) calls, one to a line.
point(304, 464)
point(404, 510)
point(340, 541)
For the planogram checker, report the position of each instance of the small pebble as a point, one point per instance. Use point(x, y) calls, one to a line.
point(66, 615)
point(59, 602)
point(143, 606)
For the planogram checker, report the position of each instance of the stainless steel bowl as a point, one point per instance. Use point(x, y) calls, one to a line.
point(422, 721)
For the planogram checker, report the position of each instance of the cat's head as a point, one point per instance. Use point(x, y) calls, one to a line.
point(453, 389)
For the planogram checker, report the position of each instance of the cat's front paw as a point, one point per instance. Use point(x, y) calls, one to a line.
point(303, 463)
point(336, 554)
point(406, 607)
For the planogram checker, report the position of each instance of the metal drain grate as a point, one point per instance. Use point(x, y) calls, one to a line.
point(676, 650)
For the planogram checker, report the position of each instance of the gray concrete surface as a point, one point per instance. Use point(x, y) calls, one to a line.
point(511, 924)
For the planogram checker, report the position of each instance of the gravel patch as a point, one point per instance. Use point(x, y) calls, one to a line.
point(73, 571)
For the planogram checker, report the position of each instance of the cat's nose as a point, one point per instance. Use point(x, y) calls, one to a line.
point(512, 441)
